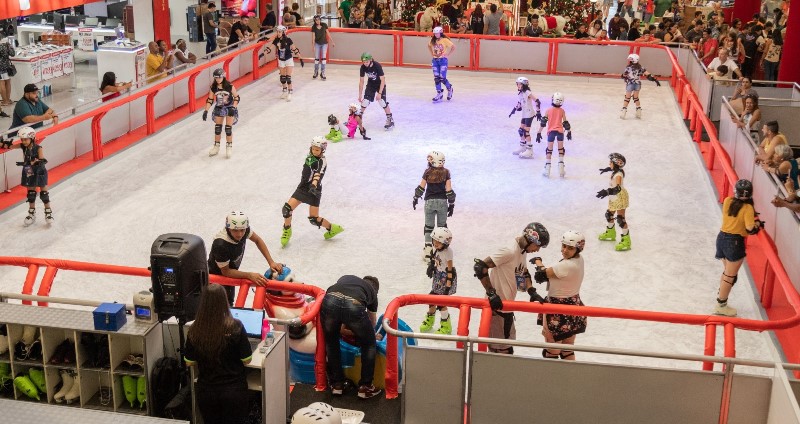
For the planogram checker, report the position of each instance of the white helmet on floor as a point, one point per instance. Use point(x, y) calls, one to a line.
point(558, 98)
point(27, 132)
point(319, 141)
point(327, 409)
point(574, 239)
point(237, 220)
point(522, 80)
point(280, 28)
point(438, 30)
point(442, 235)
point(436, 159)
point(315, 416)
point(633, 57)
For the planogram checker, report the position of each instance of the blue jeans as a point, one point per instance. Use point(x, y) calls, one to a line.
point(320, 51)
point(771, 70)
point(335, 312)
point(435, 216)
point(439, 67)
point(211, 42)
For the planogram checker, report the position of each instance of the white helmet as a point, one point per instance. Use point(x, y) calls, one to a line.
point(314, 416)
point(633, 57)
point(326, 409)
point(558, 98)
point(574, 239)
point(280, 28)
point(438, 30)
point(442, 235)
point(237, 220)
point(522, 80)
point(319, 141)
point(354, 106)
point(436, 159)
point(27, 132)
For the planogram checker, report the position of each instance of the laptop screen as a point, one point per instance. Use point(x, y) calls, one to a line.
point(90, 22)
point(251, 319)
point(110, 22)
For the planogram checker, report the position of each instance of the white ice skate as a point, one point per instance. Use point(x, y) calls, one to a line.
point(438, 97)
point(450, 93)
point(289, 97)
point(48, 215)
point(546, 171)
point(66, 385)
point(622, 114)
point(521, 149)
point(214, 150)
point(75, 391)
point(31, 218)
point(427, 251)
point(284, 93)
point(561, 171)
point(228, 150)
point(527, 154)
point(638, 113)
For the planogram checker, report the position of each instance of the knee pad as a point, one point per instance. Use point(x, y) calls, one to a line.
point(228, 130)
point(288, 79)
point(383, 103)
point(732, 278)
point(561, 151)
point(314, 220)
point(316, 61)
point(286, 211)
point(32, 196)
point(627, 98)
point(521, 132)
point(428, 230)
point(437, 79)
point(548, 150)
point(636, 99)
point(45, 196)
point(217, 129)
point(609, 216)
point(621, 221)
point(324, 62)
point(441, 308)
point(283, 79)
point(364, 103)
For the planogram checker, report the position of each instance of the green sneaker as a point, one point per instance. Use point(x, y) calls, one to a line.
point(141, 391)
point(335, 229)
point(427, 323)
point(287, 234)
point(624, 244)
point(37, 377)
point(609, 235)
point(445, 327)
point(129, 384)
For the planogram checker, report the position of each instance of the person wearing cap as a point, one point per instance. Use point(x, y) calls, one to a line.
point(210, 28)
point(321, 39)
point(31, 110)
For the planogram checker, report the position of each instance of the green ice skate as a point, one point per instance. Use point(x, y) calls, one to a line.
point(129, 384)
point(335, 229)
point(334, 136)
point(427, 324)
point(445, 327)
point(37, 377)
point(287, 234)
point(609, 235)
point(624, 244)
point(141, 391)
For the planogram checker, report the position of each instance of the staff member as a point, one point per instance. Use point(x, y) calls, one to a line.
point(352, 302)
point(217, 345)
point(209, 28)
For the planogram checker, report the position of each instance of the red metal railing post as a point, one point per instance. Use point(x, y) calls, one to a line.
point(30, 281)
point(769, 285)
point(150, 112)
point(193, 92)
point(464, 313)
point(97, 137)
point(485, 327)
point(555, 57)
point(710, 345)
point(47, 282)
point(321, 356)
point(256, 72)
point(391, 358)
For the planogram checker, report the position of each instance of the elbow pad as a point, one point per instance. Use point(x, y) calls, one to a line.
point(481, 269)
point(451, 196)
point(567, 126)
point(419, 191)
point(543, 122)
point(614, 190)
point(236, 98)
point(451, 275)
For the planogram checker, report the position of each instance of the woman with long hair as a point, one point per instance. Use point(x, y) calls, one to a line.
point(750, 120)
point(772, 55)
point(7, 70)
point(110, 88)
point(439, 198)
point(223, 94)
point(217, 345)
point(476, 20)
point(440, 48)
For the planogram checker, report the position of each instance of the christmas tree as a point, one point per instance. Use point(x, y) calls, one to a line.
point(411, 7)
point(575, 10)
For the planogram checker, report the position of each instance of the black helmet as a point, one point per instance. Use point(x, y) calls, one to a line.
point(219, 72)
point(536, 233)
point(617, 159)
point(744, 189)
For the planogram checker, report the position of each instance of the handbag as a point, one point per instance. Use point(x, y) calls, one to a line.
point(12, 70)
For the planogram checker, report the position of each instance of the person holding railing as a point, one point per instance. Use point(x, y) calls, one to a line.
point(110, 88)
point(751, 117)
point(772, 137)
point(240, 31)
point(31, 110)
point(182, 54)
point(785, 167)
point(738, 221)
point(503, 274)
point(564, 281)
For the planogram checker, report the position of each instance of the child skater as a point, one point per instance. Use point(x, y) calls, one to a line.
point(353, 122)
point(441, 270)
point(225, 100)
point(632, 76)
point(617, 203)
point(285, 51)
point(439, 198)
point(440, 48)
point(525, 104)
point(555, 119)
point(34, 173)
point(309, 191)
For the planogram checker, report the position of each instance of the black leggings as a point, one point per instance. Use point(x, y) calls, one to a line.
point(223, 405)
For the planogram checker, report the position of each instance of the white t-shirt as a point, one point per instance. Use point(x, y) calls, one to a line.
point(729, 63)
point(441, 258)
point(510, 264)
point(613, 183)
point(528, 111)
point(568, 279)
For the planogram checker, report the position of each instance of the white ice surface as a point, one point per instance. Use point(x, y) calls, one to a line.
point(112, 212)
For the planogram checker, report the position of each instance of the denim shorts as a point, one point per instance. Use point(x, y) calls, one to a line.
point(730, 247)
point(633, 86)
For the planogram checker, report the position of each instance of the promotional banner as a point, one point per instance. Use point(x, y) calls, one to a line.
point(140, 68)
point(85, 39)
point(58, 70)
point(46, 62)
point(36, 70)
point(67, 62)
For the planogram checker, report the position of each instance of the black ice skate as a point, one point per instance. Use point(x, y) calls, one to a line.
point(389, 123)
point(322, 75)
point(363, 132)
point(316, 74)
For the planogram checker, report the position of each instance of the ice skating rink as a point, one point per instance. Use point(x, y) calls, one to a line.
point(112, 212)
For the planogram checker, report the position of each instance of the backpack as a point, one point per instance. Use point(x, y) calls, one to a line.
point(165, 381)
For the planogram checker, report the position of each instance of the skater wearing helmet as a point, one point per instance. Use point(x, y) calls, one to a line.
point(525, 103)
point(440, 48)
point(285, 51)
point(555, 119)
point(309, 191)
point(440, 198)
point(376, 87)
point(353, 122)
point(227, 251)
point(617, 202)
point(564, 281)
point(34, 173)
point(632, 76)
point(443, 273)
point(225, 100)
point(322, 37)
point(738, 221)
point(503, 274)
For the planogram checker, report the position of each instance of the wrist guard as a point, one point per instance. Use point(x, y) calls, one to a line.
point(419, 191)
point(481, 268)
point(543, 122)
point(540, 276)
point(567, 126)
point(451, 196)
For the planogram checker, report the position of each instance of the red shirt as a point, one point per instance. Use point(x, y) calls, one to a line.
point(708, 46)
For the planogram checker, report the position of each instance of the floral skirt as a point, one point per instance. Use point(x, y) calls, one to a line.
point(564, 326)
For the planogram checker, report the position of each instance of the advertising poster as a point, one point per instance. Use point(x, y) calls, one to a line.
point(36, 70)
point(140, 68)
point(58, 70)
point(85, 39)
point(67, 62)
point(46, 62)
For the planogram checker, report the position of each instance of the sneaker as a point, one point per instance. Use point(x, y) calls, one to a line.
point(389, 123)
point(287, 234)
point(214, 150)
point(289, 97)
point(527, 154)
point(284, 93)
point(337, 389)
point(724, 310)
point(335, 229)
point(624, 244)
point(546, 171)
point(427, 323)
point(316, 74)
point(609, 235)
point(48, 215)
point(366, 392)
point(228, 150)
point(445, 327)
point(561, 171)
point(450, 93)
point(322, 76)
point(31, 218)
point(622, 114)
point(521, 149)
point(638, 113)
point(438, 97)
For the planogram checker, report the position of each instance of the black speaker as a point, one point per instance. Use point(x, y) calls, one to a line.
point(179, 272)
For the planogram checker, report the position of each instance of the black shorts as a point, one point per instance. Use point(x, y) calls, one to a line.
point(553, 135)
point(526, 121)
point(305, 197)
point(369, 94)
point(730, 247)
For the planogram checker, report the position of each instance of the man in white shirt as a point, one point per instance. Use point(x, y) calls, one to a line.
point(723, 59)
point(503, 274)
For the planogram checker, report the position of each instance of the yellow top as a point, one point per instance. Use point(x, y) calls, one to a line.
point(152, 63)
point(737, 224)
point(440, 46)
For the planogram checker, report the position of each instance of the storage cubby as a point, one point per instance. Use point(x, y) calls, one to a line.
point(58, 346)
point(93, 351)
point(120, 399)
point(5, 345)
point(97, 390)
point(23, 370)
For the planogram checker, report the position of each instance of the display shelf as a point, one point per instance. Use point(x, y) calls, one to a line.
point(99, 403)
point(134, 373)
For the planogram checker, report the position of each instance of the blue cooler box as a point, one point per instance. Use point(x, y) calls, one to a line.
point(109, 316)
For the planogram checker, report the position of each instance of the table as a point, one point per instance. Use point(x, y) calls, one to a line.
point(127, 61)
point(41, 64)
point(27, 33)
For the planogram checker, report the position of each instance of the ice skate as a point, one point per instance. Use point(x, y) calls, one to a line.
point(427, 252)
point(48, 215)
point(445, 327)
point(214, 149)
point(316, 74)
point(521, 149)
point(66, 385)
point(724, 310)
point(37, 377)
point(287, 234)
point(284, 93)
point(141, 391)
point(527, 154)
point(450, 93)
point(609, 235)
point(624, 244)
point(363, 132)
point(322, 76)
point(74, 392)
point(228, 150)
point(622, 114)
point(31, 218)
point(546, 171)
point(427, 323)
point(438, 97)
point(561, 171)
point(129, 385)
point(389, 123)
point(638, 113)
point(335, 229)
point(289, 97)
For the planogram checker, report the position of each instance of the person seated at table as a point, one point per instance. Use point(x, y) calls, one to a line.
point(110, 88)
